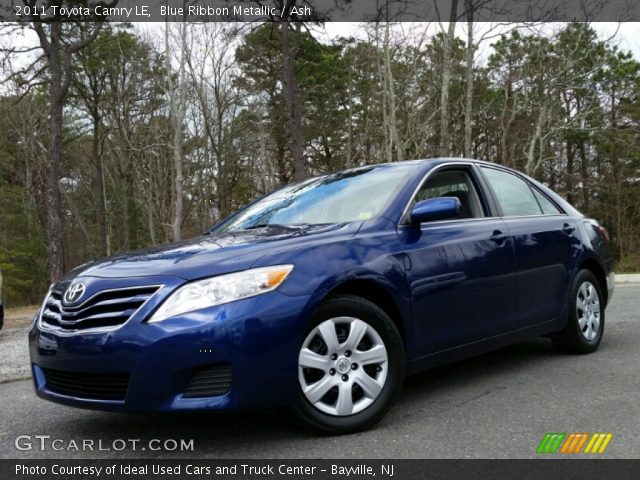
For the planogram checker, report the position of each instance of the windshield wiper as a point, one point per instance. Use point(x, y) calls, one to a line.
point(291, 226)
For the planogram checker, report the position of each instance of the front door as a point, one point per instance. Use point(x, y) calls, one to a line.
point(460, 271)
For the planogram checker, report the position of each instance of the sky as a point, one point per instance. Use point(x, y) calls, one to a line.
point(625, 35)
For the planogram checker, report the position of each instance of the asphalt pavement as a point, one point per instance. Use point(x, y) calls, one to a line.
point(499, 405)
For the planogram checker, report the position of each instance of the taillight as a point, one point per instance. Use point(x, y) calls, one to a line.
point(603, 233)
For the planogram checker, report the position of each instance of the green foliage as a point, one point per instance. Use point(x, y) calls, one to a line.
point(22, 247)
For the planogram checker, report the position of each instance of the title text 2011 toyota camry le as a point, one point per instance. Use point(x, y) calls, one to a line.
point(323, 295)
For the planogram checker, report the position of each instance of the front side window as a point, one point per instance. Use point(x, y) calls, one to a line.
point(453, 184)
point(512, 193)
point(354, 195)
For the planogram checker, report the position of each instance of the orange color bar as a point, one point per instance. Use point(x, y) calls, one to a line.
point(578, 447)
point(567, 442)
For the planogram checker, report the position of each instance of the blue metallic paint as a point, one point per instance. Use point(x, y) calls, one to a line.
point(435, 209)
point(456, 291)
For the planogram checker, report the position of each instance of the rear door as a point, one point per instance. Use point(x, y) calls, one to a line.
point(460, 271)
point(546, 249)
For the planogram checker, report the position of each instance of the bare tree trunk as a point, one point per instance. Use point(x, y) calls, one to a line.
point(150, 222)
point(569, 178)
point(177, 183)
point(392, 125)
point(178, 100)
point(292, 98)
point(59, 56)
point(283, 176)
point(101, 210)
point(224, 199)
point(445, 148)
point(584, 174)
point(54, 222)
point(388, 152)
point(349, 160)
point(508, 118)
point(468, 99)
point(533, 164)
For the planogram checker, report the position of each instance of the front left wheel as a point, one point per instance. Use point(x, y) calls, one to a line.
point(351, 366)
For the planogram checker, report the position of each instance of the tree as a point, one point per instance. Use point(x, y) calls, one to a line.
point(211, 71)
point(177, 91)
point(260, 62)
point(23, 160)
point(449, 38)
point(60, 42)
point(560, 104)
point(289, 38)
point(90, 82)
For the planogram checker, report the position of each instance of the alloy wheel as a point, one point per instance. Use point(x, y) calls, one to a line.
point(342, 366)
point(588, 310)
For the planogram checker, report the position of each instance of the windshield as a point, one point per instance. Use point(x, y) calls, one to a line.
point(338, 198)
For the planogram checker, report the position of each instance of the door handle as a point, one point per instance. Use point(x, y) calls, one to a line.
point(568, 229)
point(498, 237)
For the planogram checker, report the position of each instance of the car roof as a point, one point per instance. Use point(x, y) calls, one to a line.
point(426, 164)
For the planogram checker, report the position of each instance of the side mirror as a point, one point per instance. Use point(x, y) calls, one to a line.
point(439, 208)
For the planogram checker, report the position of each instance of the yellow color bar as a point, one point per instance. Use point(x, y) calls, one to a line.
point(591, 442)
point(598, 443)
point(607, 439)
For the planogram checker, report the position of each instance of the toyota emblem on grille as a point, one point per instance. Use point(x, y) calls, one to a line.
point(74, 293)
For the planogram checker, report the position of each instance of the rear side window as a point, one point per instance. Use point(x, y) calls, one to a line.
point(513, 194)
point(548, 208)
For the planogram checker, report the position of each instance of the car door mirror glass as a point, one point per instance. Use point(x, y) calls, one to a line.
point(439, 208)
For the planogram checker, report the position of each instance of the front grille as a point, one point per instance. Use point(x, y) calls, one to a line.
point(109, 308)
point(95, 386)
point(209, 381)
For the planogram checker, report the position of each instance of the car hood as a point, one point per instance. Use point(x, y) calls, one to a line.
point(209, 254)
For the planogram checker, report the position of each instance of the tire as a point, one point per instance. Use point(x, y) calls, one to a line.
point(585, 324)
point(348, 380)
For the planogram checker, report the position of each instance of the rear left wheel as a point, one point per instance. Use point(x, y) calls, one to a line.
point(350, 366)
point(585, 325)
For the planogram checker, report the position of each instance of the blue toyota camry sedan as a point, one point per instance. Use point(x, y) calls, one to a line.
point(322, 296)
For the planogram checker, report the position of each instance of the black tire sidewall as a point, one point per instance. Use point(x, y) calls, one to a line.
point(347, 305)
point(573, 327)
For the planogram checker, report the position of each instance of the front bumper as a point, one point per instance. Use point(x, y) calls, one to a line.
point(258, 337)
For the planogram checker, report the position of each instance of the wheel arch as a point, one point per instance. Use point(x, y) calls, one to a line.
point(376, 293)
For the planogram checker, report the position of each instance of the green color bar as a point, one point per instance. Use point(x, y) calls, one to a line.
point(558, 442)
point(550, 442)
point(543, 443)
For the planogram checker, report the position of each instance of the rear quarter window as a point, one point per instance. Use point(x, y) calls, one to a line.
point(547, 206)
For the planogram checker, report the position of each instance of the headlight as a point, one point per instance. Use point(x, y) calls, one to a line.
point(221, 289)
